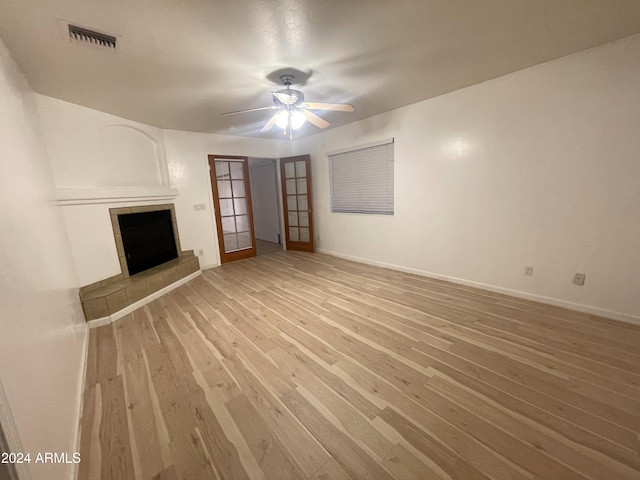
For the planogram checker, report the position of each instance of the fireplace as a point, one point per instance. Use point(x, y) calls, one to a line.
point(151, 260)
point(148, 239)
point(146, 236)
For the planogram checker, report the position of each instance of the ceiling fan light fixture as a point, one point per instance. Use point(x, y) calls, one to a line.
point(296, 117)
point(291, 110)
point(282, 119)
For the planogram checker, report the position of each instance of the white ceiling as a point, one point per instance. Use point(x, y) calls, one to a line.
point(181, 63)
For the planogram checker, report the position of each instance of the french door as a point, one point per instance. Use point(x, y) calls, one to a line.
point(232, 203)
point(295, 174)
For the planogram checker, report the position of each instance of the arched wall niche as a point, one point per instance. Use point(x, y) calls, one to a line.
point(131, 157)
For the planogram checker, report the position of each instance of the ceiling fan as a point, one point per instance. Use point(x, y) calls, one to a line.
point(292, 110)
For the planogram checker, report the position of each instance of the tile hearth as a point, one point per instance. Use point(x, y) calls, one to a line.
point(107, 297)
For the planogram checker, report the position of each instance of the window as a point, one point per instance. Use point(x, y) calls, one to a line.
point(362, 179)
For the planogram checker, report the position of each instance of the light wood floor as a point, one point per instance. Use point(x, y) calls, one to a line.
point(299, 366)
point(265, 248)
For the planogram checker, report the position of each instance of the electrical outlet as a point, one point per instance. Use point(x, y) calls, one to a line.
point(579, 278)
point(200, 252)
point(528, 271)
point(317, 237)
point(199, 206)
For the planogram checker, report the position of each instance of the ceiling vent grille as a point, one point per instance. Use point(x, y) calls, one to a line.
point(82, 35)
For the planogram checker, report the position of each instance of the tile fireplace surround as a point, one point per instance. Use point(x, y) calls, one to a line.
point(105, 299)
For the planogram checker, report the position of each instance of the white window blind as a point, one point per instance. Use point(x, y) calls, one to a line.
point(362, 180)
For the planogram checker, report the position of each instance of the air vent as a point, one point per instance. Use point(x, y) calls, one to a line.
point(82, 35)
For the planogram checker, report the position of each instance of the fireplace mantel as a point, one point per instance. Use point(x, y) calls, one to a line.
point(85, 196)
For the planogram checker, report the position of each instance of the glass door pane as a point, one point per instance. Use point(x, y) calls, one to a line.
point(296, 188)
point(236, 226)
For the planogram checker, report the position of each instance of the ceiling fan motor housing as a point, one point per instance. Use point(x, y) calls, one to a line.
point(288, 97)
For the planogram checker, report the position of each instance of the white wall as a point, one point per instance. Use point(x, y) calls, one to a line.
point(187, 156)
point(540, 167)
point(264, 199)
point(43, 332)
point(92, 149)
point(91, 152)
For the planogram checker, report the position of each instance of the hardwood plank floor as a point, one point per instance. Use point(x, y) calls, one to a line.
point(264, 247)
point(300, 366)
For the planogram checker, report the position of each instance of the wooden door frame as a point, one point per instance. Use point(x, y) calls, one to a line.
point(239, 254)
point(298, 246)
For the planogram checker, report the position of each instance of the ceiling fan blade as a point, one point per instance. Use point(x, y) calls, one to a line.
point(338, 107)
point(270, 123)
point(271, 107)
point(315, 119)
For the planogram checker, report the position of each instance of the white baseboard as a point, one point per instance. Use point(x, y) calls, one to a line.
point(208, 267)
point(624, 317)
point(82, 381)
point(11, 435)
point(98, 322)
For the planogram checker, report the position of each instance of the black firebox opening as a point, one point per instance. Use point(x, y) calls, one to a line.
point(147, 239)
